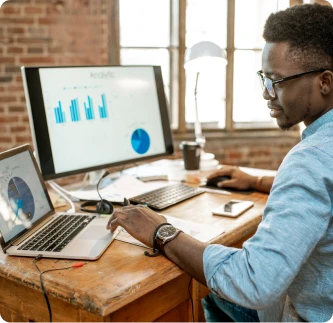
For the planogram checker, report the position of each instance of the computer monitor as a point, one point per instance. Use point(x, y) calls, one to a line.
point(87, 118)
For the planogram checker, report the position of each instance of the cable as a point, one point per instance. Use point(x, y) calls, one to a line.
point(76, 265)
point(97, 186)
point(189, 292)
point(60, 191)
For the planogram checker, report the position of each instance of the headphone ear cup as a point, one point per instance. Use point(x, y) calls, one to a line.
point(84, 205)
point(104, 207)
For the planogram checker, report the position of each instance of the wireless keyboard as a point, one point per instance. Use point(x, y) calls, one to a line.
point(166, 196)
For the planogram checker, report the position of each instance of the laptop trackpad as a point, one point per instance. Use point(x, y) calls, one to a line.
point(95, 232)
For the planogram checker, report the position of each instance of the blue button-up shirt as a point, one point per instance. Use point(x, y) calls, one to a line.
point(285, 271)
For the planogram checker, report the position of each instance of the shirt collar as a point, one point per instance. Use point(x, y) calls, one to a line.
point(314, 126)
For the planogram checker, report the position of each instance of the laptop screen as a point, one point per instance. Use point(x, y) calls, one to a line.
point(23, 199)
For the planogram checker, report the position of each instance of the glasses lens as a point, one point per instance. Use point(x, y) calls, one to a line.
point(269, 86)
point(261, 80)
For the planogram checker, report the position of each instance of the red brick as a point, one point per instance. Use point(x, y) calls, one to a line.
point(15, 30)
point(17, 109)
point(7, 119)
point(33, 10)
point(34, 40)
point(11, 10)
point(35, 50)
point(4, 138)
point(18, 128)
point(23, 139)
point(6, 99)
point(7, 60)
point(36, 60)
point(48, 21)
point(23, 21)
point(15, 50)
point(15, 88)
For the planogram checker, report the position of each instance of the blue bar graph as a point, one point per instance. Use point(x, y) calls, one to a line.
point(74, 110)
point(89, 110)
point(59, 114)
point(103, 113)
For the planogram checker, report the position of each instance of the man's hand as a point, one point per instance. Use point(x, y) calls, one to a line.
point(139, 221)
point(239, 180)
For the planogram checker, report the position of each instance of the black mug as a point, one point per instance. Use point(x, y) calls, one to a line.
point(191, 154)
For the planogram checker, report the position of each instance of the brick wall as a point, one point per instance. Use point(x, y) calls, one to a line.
point(44, 32)
point(75, 32)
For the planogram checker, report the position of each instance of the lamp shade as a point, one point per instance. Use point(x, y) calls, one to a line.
point(203, 56)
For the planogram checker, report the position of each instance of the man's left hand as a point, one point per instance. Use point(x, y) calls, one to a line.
point(139, 221)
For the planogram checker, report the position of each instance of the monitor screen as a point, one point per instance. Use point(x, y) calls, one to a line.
point(87, 118)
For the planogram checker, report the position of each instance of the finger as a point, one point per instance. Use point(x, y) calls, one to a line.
point(232, 183)
point(115, 215)
point(221, 172)
point(114, 226)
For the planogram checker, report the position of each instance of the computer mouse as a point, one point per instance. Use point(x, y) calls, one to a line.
point(213, 181)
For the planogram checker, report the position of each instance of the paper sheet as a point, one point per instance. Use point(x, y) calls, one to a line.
point(126, 186)
point(201, 232)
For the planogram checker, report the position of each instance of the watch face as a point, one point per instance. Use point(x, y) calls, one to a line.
point(166, 231)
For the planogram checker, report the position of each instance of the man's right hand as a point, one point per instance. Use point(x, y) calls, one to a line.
point(239, 179)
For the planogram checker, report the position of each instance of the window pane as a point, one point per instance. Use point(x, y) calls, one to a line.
point(144, 23)
point(255, 13)
point(248, 101)
point(206, 20)
point(159, 57)
point(210, 97)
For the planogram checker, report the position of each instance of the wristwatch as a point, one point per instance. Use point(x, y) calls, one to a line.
point(165, 234)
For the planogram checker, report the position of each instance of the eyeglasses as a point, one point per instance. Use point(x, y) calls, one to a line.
point(267, 83)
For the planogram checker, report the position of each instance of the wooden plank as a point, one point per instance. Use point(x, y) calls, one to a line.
point(157, 303)
point(29, 304)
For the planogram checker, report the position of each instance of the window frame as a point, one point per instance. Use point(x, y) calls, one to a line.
point(178, 48)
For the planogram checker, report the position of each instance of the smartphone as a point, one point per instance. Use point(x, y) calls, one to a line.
point(233, 208)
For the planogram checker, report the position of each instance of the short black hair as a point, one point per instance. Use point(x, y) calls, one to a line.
point(308, 29)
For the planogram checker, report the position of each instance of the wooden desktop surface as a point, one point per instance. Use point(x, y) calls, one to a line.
point(124, 284)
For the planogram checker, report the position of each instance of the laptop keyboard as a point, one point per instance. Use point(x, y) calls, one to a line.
point(166, 196)
point(56, 235)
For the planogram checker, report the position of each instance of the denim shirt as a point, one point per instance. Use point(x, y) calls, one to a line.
point(285, 271)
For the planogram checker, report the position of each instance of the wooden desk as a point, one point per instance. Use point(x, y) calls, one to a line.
point(123, 285)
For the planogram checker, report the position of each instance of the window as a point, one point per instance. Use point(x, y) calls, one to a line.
point(157, 32)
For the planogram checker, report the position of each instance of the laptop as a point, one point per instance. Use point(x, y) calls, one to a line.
point(29, 225)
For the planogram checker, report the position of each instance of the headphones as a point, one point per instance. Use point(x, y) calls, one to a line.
point(101, 207)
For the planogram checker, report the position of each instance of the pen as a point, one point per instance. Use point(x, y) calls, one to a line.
point(211, 190)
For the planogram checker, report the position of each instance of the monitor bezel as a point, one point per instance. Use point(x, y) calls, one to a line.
point(40, 131)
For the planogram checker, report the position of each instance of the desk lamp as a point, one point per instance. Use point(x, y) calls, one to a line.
point(203, 56)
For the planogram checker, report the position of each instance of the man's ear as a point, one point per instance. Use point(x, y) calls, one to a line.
point(326, 82)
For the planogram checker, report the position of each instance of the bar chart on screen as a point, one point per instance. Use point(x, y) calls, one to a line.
point(91, 107)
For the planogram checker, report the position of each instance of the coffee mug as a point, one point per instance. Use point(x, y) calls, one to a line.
point(191, 154)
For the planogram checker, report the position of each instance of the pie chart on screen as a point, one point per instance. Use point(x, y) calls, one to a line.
point(20, 195)
point(140, 141)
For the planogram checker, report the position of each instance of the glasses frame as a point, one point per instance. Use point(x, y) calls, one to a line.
point(264, 84)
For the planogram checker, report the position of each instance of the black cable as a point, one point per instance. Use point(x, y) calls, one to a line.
point(189, 292)
point(42, 284)
point(97, 186)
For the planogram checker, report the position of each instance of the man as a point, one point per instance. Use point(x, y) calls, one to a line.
point(285, 271)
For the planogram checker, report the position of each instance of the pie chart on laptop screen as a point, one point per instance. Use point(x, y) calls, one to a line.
point(140, 141)
point(22, 201)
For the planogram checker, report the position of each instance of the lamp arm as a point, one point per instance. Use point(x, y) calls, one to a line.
point(197, 126)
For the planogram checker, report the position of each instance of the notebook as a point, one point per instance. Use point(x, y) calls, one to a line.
point(29, 225)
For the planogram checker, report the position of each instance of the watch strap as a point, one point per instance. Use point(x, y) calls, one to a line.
point(160, 244)
point(156, 250)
